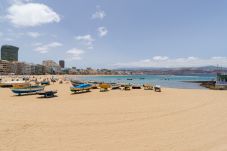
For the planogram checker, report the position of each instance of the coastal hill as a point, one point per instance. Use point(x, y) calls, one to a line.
point(206, 70)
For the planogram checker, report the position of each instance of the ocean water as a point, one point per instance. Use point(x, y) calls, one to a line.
point(169, 81)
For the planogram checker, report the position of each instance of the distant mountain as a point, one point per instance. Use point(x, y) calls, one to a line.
point(211, 68)
point(142, 68)
point(208, 68)
point(174, 71)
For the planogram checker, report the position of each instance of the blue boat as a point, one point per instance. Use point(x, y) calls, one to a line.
point(27, 90)
point(81, 88)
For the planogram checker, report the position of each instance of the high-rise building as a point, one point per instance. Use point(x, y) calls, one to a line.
point(9, 53)
point(62, 63)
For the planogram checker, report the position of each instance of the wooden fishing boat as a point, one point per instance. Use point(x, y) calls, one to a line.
point(21, 85)
point(94, 84)
point(148, 87)
point(8, 84)
point(115, 86)
point(81, 88)
point(27, 90)
point(126, 87)
point(76, 82)
point(136, 87)
point(104, 87)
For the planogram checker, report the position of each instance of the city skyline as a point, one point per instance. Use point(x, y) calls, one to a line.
point(114, 34)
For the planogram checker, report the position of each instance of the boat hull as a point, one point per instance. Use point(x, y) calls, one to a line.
point(27, 90)
point(45, 83)
point(81, 87)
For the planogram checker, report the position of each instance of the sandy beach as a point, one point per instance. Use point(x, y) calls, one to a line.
point(136, 120)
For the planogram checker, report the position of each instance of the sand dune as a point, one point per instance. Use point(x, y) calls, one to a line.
point(173, 120)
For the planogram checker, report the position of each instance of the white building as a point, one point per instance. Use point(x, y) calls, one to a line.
point(52, 67)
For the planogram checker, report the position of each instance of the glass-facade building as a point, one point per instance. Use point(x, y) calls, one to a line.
point(9, 53)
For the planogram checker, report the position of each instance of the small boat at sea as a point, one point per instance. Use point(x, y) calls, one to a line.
point(27, 89)
point(129, 79)
point(81, 88)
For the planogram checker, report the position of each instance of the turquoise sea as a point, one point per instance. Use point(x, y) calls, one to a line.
point(170, 81)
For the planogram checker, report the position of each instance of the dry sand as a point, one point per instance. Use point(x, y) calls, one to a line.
point(137, 120)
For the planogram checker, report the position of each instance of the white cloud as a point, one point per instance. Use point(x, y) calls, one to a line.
point(99, 14)
point(102, 31)
point(75, 54)
point(47, 47)
point(33, 34)
point(163, 61)
point(87, 40)
point(1, 34)
point(219, 58)
point(192, 58)
point(31, 14)
point(160, 58)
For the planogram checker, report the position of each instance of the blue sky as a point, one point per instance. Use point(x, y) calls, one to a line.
point(116, 33)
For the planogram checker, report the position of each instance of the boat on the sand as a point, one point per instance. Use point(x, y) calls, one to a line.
point(8, 84)
point(27, 90)
point(81, 88)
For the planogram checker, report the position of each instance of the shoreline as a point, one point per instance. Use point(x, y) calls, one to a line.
point(164, 83)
